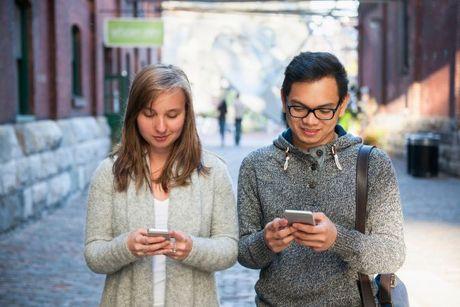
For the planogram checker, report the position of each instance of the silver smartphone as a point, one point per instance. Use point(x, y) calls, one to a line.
point(153, 232)
point(299, 216)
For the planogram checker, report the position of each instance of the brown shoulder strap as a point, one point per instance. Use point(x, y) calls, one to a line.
point(361, 187)
point(360, 219)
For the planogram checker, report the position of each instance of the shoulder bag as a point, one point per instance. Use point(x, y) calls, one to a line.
point(391, 290)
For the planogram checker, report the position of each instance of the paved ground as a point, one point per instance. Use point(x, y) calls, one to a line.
point(42, 262)
point(432, 233)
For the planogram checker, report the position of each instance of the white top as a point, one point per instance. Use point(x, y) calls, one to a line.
point(159, 261)
point(239, 108)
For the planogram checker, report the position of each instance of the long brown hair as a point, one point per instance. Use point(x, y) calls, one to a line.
point(185, 157)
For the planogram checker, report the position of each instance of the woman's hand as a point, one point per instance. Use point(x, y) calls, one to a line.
point(181, 247)
point(140, 245)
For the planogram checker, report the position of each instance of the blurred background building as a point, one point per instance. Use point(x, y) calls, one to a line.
point(409, 70)
point(245, 46)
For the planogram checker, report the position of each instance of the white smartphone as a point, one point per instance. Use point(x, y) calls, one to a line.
point(299, 216)
point(153, 232)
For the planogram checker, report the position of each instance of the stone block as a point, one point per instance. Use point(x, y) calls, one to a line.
point(35, 167)
point(40, 208)
point(90, 151)
point(454, 168)
point(81, 177)
point(86, 128)
point(103, 148)
point(96, 129)
point(49, 164)
point(23, 171)
point(8, 180)
point(69, 134)
point(10, 211)
point(27, 202)
point(38, 136)
point(83, 153)
point(73, 173)
point(455, 153)
point(443, 165)
point(10, 148)
point(444, 152)
point(59, 187)
point(64, 158)
point(104, 126)
point(39, 192)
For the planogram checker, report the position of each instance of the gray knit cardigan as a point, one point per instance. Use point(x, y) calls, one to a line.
point(299, 276)
point(205, 209)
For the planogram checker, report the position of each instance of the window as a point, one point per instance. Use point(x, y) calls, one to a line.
point(22, 54)
point(404, 37)
point(128, 65)
point(76, 62)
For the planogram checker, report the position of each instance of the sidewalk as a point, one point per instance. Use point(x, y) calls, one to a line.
point(248, 140)
point(42, 263)
point(432, 233)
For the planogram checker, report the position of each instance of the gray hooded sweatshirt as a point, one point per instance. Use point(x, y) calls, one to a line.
point(281, 176)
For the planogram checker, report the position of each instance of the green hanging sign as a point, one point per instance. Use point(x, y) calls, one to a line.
point(133, 32)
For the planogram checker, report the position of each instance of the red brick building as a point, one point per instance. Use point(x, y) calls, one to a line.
point(61, 88)
point(409, 60)
point(53, 58)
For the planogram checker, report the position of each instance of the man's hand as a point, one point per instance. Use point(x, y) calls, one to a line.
point(319, 237)
point(278, 235)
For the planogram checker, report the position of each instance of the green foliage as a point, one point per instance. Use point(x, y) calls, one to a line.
point(346, 120)
point(374, 136)
point(351, 122)
point(254, 122)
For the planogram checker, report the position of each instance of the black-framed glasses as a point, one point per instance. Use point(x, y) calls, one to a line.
point(300, 111)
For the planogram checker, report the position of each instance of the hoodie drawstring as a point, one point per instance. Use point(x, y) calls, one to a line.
point(336, 157)
point(333, 151)
point(286, 162)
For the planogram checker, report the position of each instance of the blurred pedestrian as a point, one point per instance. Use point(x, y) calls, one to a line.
point(239, 111)
point(222, 109)
point(312, 167)
point(159, 177)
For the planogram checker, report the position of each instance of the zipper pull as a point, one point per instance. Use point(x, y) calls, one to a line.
point(286, 162)
point(336, 157)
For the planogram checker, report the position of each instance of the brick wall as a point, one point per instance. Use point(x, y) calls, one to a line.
point(51, 50)
point(8, 86)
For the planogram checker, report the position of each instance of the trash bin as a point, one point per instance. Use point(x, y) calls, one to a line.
point(422, 154)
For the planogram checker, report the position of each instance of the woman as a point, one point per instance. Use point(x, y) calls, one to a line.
point(159, 177)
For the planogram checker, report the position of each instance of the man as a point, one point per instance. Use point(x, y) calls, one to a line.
point(239, 112)
point(312, 166)
point(222, 109)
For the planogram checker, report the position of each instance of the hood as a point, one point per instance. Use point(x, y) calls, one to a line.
point(332, 150)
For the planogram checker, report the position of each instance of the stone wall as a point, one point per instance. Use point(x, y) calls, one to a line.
point(44, 163)
point(395, 128)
